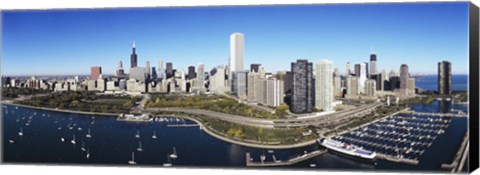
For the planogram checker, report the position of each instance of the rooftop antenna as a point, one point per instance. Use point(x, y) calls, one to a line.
point(133, 44)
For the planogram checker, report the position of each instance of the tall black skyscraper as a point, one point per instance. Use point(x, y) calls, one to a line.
point(357, 68)
point(302, 87)
point(169, 70)
point(445, 78)
point(133, 57)
point(191, 72)
point(154, 73)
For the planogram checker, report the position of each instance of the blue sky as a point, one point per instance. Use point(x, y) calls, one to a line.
point(56, 42)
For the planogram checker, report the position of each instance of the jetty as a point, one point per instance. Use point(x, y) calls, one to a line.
point(183, 125)
point(275, 162)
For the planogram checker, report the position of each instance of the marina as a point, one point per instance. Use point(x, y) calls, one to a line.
point(108, 141)
point(403, 137)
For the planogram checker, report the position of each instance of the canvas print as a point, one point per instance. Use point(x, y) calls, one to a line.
point(350, 87)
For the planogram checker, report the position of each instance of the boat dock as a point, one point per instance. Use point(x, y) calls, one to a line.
point(401, 138)
point(436, 114)
point(275, 162)
point(183, 125)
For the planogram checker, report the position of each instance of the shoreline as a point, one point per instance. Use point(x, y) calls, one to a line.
point(60, 110)
point(252, 145)
point(206, 129)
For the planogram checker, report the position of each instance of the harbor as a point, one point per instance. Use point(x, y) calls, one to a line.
point(402, 138)
point(86, 139)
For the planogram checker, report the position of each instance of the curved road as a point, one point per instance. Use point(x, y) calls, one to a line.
point(267, 123)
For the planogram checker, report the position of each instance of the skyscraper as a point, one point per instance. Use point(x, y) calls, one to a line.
point(357, 70)
point(302, 87)
point(324, 85)
point(370, 87)
point(373, 64)
point(239, 84)
point(95, 72)
point(404, 79)
point(236, 52)
point(191, 73)
point(362, 77)
point(200, 80)
point(147, 66)
point(169, 70)
point(445, 78)
point(120, 72)
point(347, 70)
point(133, 57)
point(160, 72)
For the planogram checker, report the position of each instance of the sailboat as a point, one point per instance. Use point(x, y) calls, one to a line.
point(73, 140)
point(88, 134)
point(21, 132)
point(83, 146)
point(132, 162)
point(168, 163)
point(154, 136)
point(138, 134)
point(140, 149)
point(88, 153)
point(174, 154)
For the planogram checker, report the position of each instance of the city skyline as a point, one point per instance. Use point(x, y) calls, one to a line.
point(101, 39)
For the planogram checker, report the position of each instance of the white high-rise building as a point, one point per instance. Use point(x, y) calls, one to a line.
point(362, 78)
point(160, 71)
point(217, 80)
point(236, 52)
point(199, 84)
point(324, 85)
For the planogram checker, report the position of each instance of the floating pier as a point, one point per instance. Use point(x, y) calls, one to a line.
point(275, 162)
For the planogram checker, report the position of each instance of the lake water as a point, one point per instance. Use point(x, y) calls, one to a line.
point(113, 142)
point(429, 82)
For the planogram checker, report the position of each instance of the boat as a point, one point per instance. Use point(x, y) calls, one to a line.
point(88, 153)
point(140, 149)
point(134, 118)
point(83, 146)
point(138, 134)
point(262, 157)
point(21, 132)
point(174, 154)
point(73, 140)
point(154, 136)
point(347, 149)
point(88, 134)
point(168, 163)
point(132, 162)
point(11, 141)
point(270, 151)
point(62, 139)
point(313, 165)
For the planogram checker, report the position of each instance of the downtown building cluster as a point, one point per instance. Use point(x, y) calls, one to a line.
point(305, 88)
